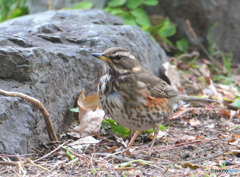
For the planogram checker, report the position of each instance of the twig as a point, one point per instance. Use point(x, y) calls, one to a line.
point(51, 151)
point(39, 165)
point(126, 159)
point(187, 55)
point(194, 35)
point(122, 158)
point(203, 158)
point(8, 163)
point(50, 129)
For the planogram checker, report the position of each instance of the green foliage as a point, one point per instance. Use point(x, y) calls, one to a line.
point(83, 5)
point(120, 130)
point(213, 51)
point(167, 30)
point(182, 45)
point(237, 103)
point(12, 8)
point(212, 46)
point(133, 13)
point(151, 2)
point(117, 128)
point(140, 17)
point(116, 3)
point(202, 80)
point(161, 127)
point(227, 60)
point(223, 79)
point(191, 63)
point(74, 109)
point(68, 153)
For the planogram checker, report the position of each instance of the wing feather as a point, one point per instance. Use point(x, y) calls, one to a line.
point(156, 86)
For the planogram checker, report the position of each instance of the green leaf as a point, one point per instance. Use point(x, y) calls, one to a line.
point(151, 2)
point(237, 103)
point(117, 128)
point(192, 61)
point(83, 5)
point(167, 29)
point(133, 4)
point(116, 3)
point(74, 109)
point(18, 12)
point(129, 19)
point(161, 127)
point(227, 59)
point(182, 45)
point(118, 11)
point(223, 79)
point(141, 17)
point(68, 153)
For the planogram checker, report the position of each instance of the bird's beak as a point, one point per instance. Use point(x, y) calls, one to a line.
point(100, 56)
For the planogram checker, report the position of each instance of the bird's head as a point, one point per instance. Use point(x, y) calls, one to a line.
point(120, 60)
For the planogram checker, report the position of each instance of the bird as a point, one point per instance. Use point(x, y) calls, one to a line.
point(133, 96)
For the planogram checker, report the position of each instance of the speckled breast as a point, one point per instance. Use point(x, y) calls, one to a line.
point(133, 111)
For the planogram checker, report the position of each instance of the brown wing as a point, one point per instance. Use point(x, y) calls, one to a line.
point(156, 86)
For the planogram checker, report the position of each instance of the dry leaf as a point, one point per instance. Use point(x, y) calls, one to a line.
point(192, 166)
point(237, 136)
point(233, 141)
point(90, 122)
point(225, 113)
point(173, 75)
point(198, 137)
point(90, 115)
point(85, 140)
point(89, 103)
point(194, 122)
point(205, 71)
point(83, 143)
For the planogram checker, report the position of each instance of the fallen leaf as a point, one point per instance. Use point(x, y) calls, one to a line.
point(205, 71)
point(225, 113)
point(173, 75)
point(194, 122)
point(192, 166)
point(90, 115)
point(85, 140)
point(89, 103)
point(90, 122)
point(198, 137)
point(237, 136)
point(233, 141)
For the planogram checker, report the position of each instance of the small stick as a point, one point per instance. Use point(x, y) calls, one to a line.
point(50, 129)
point(51, 152)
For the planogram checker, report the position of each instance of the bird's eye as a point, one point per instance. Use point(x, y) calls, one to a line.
point(117, 57)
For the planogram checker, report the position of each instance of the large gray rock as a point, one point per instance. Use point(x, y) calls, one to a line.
point(48, 56)
point(202, 15)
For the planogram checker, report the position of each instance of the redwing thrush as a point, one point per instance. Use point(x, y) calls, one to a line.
point(133, 97)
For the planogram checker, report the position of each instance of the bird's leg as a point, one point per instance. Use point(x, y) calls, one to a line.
point(155, 130)
point(131, 142)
